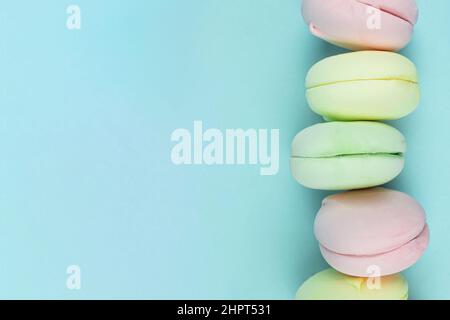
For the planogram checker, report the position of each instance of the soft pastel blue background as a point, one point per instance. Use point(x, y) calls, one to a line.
point(85, 170)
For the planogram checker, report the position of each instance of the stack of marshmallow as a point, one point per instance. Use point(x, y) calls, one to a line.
point(367, 234)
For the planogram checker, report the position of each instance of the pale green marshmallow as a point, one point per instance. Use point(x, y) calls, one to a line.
point(347, 155)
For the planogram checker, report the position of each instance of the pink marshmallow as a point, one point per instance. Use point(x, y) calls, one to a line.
point(371, 227)
point(355, 25)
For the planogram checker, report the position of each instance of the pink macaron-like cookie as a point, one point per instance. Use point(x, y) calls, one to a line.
point(371, 229)
point(362, 24)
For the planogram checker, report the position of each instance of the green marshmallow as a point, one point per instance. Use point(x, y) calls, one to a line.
point(332, 285)
point(347, 155)
point(364, 85)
